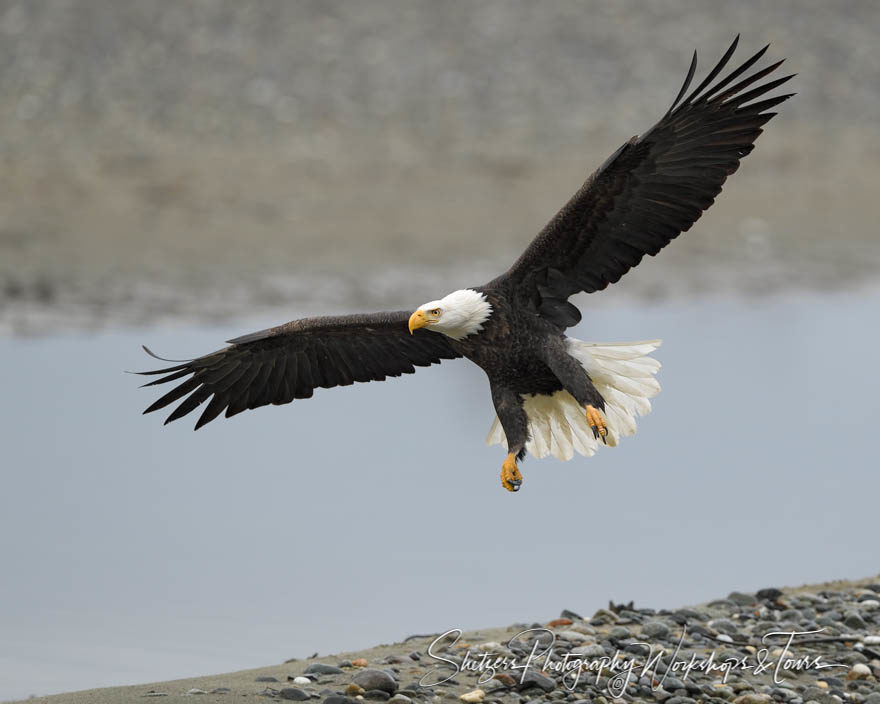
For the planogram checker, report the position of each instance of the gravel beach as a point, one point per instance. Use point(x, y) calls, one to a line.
point(826, 650)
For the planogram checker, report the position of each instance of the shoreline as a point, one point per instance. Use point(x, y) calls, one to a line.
point(845, 610)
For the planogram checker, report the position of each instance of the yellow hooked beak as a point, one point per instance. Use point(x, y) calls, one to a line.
point(420, 319)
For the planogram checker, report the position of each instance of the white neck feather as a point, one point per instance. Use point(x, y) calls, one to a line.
point(463, 313)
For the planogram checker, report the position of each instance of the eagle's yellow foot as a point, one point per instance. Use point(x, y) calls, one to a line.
point(597, 422)
point(510, 474)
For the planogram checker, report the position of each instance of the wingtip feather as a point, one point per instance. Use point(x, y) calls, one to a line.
point(722, 62)
point(163, 359)
point(687, 82)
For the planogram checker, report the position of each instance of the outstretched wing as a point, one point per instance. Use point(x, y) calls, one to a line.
point(650, 190)
point(292, 360)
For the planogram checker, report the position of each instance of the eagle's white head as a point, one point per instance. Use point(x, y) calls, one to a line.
point(457, 315)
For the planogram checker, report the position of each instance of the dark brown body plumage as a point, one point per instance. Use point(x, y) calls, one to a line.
point(523, 352)
point(508, 347)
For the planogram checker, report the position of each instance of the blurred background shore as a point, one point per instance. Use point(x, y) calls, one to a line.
point(206, 159)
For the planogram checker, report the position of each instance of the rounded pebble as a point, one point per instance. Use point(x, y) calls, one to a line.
point(559, 622)
point(533, 678)
point(859, 671)
point(369, 678)
point(655, 629)
point(320, 668)
point(853, 620)
point(742, 599)
point(753, 698)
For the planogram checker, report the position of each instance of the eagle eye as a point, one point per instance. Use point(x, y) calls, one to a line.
point(436, 311)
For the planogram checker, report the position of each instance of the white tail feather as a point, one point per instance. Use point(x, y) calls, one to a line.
point(621, 372)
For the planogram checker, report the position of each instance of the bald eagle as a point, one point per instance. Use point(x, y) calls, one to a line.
point(552, 394)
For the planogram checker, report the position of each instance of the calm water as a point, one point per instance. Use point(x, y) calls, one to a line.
point(133, 552)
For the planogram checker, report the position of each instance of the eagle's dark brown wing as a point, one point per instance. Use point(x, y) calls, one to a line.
point(292, 360)
point(651, 189)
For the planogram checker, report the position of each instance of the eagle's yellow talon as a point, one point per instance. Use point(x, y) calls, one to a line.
point(511, 478)
point(597, 422)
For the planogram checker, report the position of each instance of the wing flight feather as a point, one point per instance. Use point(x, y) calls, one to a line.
point(649, 191)
point(290, 361)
